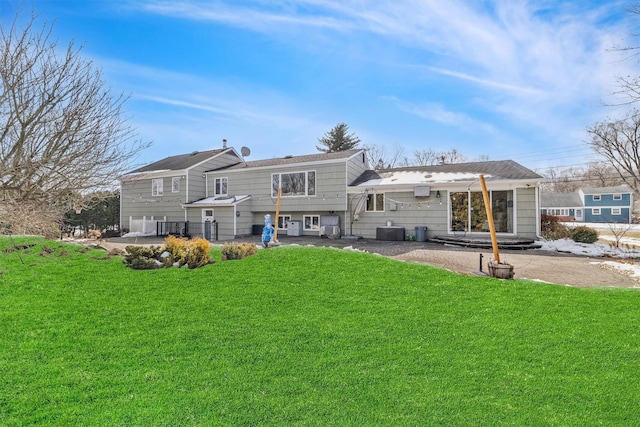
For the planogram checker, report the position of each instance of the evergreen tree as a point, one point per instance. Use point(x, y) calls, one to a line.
point(338, 139)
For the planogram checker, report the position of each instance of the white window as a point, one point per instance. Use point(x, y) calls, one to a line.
point(616, 211)
point(617, 197)
point(311, 222)
point(220, 186)
point(156, 187)
point(596, 197)
point(175, 184)
point(282, 221)
point(595, 211)
point(294, 184)
point(375, 202)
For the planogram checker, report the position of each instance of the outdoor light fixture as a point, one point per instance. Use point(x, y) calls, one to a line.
point(438, 194)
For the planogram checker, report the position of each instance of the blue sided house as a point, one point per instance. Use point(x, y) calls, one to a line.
point(601, 204)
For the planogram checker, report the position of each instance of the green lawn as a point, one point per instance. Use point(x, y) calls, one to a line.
point(306, 336)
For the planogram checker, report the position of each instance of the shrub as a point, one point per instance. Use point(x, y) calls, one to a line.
point(197, 254)
point(232, 251)
point(177, 249)
point(552, 229)
point(142, 258)
point(193, 253)
point(94, 234)
point(584, 234)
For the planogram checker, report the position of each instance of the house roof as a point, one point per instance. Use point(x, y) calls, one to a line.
point(449, 173)
point(560, 200)
point(287, 160)
point(606, 190)
point(181, 161)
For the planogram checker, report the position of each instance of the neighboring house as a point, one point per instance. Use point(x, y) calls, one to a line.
point(604, 205)
point(321, 191)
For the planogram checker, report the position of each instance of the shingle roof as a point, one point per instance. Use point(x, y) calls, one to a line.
point(607, 190)
point(492, 171)
point(181, 161)
point(280, 161)
point(560, 200)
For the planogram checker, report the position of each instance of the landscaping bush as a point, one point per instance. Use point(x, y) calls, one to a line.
point(177, 248)
point(198, 253)
point(552, 228)
point(193, 253)
point(142, 258)
point(584, 234)
point(231, 251)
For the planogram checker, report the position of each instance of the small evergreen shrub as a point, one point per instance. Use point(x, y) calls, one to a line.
point(231, 251)
point(584, 234)
point(552, 229)
point(142, 258)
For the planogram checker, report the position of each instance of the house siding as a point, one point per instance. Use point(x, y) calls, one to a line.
point(526, 213)
point(606, 216)
point(356, 166)
point(330, 192)
point(607, 200)
point(410, 212)
point(137, 201)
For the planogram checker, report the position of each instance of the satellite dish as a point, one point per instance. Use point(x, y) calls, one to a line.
point(245, 151)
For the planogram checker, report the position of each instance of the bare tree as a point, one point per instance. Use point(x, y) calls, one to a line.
point(383, 157)
point(629, 85)
point(617, 141)
point(431, 157)
point(61, 131)
point(563, 180)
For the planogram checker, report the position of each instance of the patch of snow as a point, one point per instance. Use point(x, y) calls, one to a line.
point(588, 249)
point(139, 234)
point(599, 250)
point(632, 270)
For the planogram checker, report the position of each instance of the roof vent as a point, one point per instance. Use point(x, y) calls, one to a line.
point(194, 153)
point(288, 156)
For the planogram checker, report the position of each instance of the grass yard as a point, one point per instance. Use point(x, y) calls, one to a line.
point(306, 336)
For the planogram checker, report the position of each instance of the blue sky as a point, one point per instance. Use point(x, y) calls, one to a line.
point(507, 79)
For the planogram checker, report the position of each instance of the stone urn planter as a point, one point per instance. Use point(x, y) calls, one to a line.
point(500, 270)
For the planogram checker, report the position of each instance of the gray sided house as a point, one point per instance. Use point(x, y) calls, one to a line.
point(332, 194)
point(312, 187)
point(600, 205)
point(447, 199)
point(157, 192)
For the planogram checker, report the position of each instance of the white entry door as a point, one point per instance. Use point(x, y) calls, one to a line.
point(579, 215)
point(207, 215)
